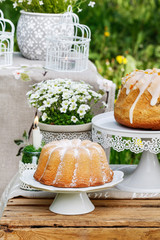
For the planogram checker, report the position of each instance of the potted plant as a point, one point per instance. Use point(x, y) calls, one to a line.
point(36, 22)
point(66, 108)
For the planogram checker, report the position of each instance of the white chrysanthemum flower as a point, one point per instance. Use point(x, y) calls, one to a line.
point(63, 109)
point(74, 119)
point(81, 98)
point(44, 116)
point(47, 103)
point(66, 95)
point(34, 95)
point(84, 106)
point(83, 91)
point(88, 97)
point(73, 99)
point(73, 106)
point(42, 98)
point(42, 108)
point(65, 103)
point(53, 100)
point(81, 111)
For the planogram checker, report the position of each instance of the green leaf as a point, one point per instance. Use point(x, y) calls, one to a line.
point(25, 77)
point(25, 136)
point(18, 142)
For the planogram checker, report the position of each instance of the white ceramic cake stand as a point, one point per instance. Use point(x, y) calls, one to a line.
point(146, 177)
point(70, 201)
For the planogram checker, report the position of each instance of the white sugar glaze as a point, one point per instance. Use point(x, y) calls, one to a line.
point(148, 79)
point(76, 145)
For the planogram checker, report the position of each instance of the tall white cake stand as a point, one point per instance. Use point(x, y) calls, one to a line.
point(70, 201)
point(146, 177)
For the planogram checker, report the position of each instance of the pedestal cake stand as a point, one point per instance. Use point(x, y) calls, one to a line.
point(70, 201)
point(146, 177)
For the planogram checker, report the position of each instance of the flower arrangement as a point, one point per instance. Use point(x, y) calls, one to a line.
point(63, 101)
point(49, 6)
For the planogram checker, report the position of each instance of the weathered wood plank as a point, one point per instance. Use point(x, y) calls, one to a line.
point(137, 217)
point(81, 234)
point(23, 212)
point(98, 202)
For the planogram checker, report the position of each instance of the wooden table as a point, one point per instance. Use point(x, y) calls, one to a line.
point(112, 219)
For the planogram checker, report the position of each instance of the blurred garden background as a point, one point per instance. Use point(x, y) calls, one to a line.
point(125, 36)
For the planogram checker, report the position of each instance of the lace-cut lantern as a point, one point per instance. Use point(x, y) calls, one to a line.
point(6, 41)
point(68, 45)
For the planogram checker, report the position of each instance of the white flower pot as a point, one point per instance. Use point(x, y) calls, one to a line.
point(32, 30)
point(58, 132)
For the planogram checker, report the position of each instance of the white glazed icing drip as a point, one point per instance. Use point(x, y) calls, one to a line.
point(142, 85)
point(62, 152)
point(154, 90)
point(74, 179)
point(51, 151)
point(102, 164)
point(141, 80)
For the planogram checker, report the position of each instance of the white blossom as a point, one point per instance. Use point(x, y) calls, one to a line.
point(17, 73)
point(105, 104)
point(42, 108)
point(65, 103)
point(79, 10)
point(62, 95)
point(74, 119)
point(44, 117)
point(72, 107)
point(63, 109)
point(41, 3)
point(81, 111)
point(84, 106)
point(35, 95)
point(15, 4)
point(47, 103)
point(91, 4)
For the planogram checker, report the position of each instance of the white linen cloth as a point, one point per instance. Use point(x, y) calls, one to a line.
point(13, 190)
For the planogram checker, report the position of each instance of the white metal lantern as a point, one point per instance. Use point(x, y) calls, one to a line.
point(68, 50)
point(6, 41)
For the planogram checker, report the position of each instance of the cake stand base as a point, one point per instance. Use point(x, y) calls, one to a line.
point(145, 178)
point(71, 204)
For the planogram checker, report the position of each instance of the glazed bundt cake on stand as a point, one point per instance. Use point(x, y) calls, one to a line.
point(71, 168)
point(73, 164)
point(138, 102)
point(138, 107)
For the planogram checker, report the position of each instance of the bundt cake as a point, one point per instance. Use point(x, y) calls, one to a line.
point(73, 163)
point(138, 103)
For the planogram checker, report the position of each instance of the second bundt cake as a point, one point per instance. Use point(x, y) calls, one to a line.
point(138, 103)
point(73, 163)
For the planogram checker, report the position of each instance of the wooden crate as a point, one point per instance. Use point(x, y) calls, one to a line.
point(30, 219)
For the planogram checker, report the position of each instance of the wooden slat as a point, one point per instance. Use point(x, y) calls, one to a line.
point(81, 234)
point(98, 202)
point(22, 212)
